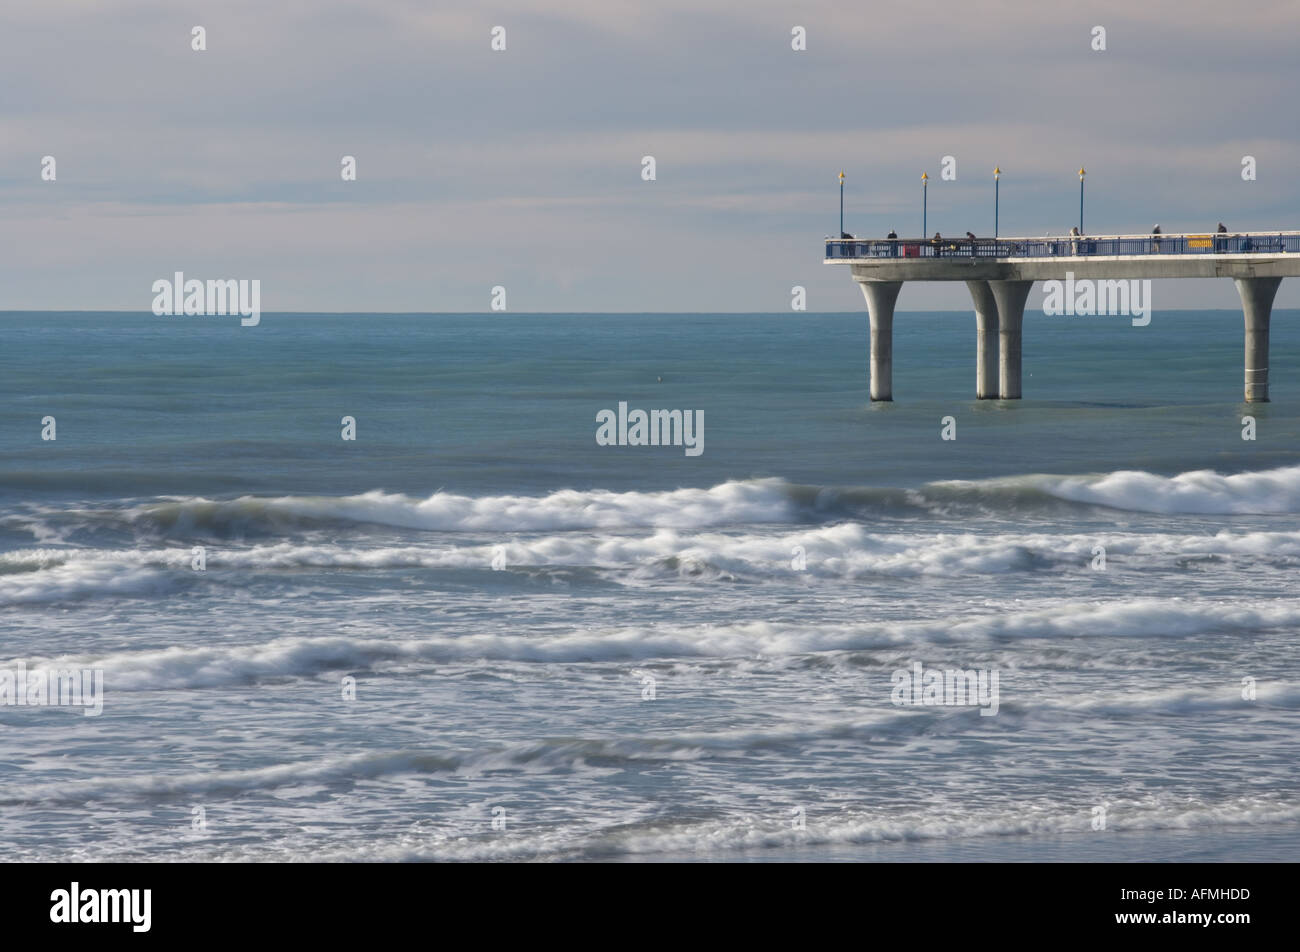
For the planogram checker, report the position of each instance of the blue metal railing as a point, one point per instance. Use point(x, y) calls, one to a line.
point(1283, 242)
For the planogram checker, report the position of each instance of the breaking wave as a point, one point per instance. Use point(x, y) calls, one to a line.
point(220, 665)
point(747, 502)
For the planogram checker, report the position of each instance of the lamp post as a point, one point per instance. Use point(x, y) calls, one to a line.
point(925, 184)
point(997, 174)
point(841, 234)
point(1082, 173)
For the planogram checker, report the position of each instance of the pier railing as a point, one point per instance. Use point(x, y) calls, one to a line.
point(1278, 242)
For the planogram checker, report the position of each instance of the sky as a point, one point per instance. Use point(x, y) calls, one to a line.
point(522, 168)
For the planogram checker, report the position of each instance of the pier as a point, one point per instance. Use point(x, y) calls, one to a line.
point(999, 273)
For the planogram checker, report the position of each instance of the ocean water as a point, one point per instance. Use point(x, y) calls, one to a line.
point(628, 652)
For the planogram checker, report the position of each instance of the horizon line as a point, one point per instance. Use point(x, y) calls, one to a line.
point(862, 311)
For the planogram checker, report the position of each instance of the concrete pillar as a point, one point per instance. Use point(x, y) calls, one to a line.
point(1010, 297)
point(881, 296)
point(1257, 305)
point(986, 340)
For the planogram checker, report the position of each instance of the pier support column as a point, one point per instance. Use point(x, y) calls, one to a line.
point(1010, 297)
point(986, 340)
point(1257, 304)
point(881, 296)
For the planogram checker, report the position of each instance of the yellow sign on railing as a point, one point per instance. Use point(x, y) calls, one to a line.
point(1200, 241)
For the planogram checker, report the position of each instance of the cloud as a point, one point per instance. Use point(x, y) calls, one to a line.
point(229, 158)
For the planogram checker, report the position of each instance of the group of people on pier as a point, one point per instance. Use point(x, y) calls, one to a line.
point(939, 244)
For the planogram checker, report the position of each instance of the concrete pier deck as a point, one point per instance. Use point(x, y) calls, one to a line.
point(1000, 273)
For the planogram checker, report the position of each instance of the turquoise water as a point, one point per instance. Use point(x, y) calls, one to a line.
point(507, 403)
point(505, 591)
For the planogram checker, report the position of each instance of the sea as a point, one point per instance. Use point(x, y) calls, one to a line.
point(367, 587)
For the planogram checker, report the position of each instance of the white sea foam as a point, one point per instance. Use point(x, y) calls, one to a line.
point(226, 664)
point(751, 502)
point(1199, 492)
point(731, 502)
point(844, 550)
point(748, 830)
point(734, 503)
point(83, 578)
point(1037, 818)
point(540, 756)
